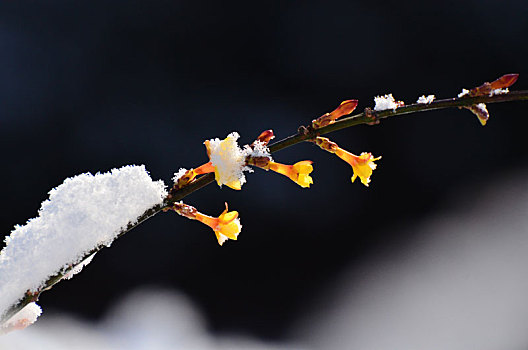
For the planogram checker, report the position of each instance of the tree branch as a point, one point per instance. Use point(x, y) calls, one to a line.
point(304, 134)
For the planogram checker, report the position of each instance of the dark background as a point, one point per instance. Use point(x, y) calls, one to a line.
point(89, 86)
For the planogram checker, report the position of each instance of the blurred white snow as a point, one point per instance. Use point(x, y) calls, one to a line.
point(149, 318)
point(454, 281)
point(461, 282)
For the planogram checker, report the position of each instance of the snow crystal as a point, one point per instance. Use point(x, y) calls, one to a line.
point(178, 175)
point(463, 93)
point(78, 268)
point(499, 92)
point(25, 317)
point(492, 92)
point(426, 100)
point(385, 102)
point(228, 159)
point(84, 212)
point(257, 149)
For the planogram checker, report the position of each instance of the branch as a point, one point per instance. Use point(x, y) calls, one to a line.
point(359, 119)
point(304, 134)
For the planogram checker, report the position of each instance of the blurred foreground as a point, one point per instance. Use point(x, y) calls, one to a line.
point(456, 281)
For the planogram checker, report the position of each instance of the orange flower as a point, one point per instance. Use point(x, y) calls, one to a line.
point(298, 172)
point(362, 165)
point(204, 169)
point(226, 226)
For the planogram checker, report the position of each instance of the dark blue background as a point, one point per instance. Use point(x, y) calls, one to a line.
point(93, 85)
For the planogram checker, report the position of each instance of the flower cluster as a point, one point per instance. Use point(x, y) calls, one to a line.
point(22, 283)
point(228, 161)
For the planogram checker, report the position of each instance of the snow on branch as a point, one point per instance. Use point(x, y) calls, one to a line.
point(85, 212)
point(25, 317)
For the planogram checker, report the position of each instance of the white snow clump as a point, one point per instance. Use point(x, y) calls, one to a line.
point(499, 91)
point(178, 175)
point(257, 149)
point(426, 100)
point(385, 102)
point(25, 317)
point(84, 212)
point(463, 93)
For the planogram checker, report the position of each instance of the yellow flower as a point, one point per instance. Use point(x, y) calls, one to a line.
point(228, 160)
point(298, 172)
point(362, 165)
point(226, 226)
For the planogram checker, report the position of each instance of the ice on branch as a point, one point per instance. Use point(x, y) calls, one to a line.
point(386, 102)
point(84, 212)
point(229, 161)
point(25, 317)
point(426, 99)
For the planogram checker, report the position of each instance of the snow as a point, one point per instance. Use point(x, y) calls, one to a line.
point(457, 281)
point(228, 159)
point(25, 317)
point(78, 268)
point(84, 212)
point(385, 102)
point(148, 318)
point(178, 175)
point(426, 99)
point(499, 91)
point(258, 149)
point(463, 93)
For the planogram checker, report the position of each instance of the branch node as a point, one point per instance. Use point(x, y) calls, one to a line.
point(372, 116)
point(303, 130)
